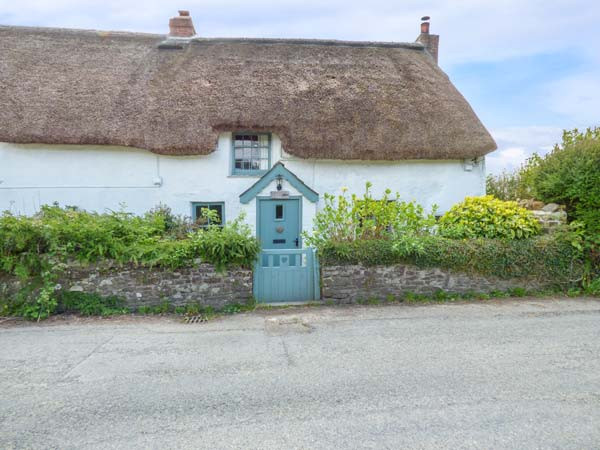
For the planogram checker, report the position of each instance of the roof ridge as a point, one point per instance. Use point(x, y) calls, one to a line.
point(310, 41)
point(222, 40)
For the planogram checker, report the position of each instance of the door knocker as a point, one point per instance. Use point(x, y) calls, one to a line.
point(279, 229)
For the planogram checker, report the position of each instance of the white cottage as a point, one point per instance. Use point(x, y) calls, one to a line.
point(102, 119)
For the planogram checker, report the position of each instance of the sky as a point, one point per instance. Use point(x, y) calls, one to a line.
point(529, 68)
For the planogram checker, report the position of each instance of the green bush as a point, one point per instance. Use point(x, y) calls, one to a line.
point(346, 219)
point(593, 288)
point(570, 175)
point(508, 186)
point(548, 258)
point(516, 185)
point(26, 243)
point(488, 217)
point(37, 248)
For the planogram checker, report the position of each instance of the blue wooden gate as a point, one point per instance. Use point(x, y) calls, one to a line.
point(287, 275)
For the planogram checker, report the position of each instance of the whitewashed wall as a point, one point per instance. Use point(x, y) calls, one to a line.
point(101, 177)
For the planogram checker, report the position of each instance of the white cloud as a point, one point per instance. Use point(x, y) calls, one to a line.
point(516, 144)
point(506, 159)
point(576, 97)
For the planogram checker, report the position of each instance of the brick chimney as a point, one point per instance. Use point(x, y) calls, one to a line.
point(181, 26)
point(430, 41)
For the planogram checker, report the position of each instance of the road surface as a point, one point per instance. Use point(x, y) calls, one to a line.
point(505, 374)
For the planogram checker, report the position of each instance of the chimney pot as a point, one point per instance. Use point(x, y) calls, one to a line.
point(429, 41)
point(182, 25)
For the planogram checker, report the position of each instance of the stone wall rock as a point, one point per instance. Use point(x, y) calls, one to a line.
point(9, 286)
point(352, 283)
point(142, 286)
point(550, 220)
point(550, 216)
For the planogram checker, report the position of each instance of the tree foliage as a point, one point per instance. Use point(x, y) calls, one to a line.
point(570, 175)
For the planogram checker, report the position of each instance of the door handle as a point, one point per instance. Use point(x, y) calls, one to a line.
point(296, 241)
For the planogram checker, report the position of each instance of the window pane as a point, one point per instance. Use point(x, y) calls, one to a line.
point(199, 207)
point(251, 152)
point(219, 211)
point(278, 212)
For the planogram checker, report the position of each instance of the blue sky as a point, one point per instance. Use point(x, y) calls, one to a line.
point(529, 68)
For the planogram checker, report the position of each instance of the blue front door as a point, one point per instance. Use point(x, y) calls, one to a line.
point(284, 272)
point(279, 223)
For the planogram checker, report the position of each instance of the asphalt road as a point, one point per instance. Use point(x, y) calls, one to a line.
point(509, 374)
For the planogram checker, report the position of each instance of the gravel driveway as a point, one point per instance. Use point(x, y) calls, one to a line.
point(507, 374)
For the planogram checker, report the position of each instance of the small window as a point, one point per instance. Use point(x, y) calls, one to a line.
point(278, 212)
point(251, 153)
point(217, 207)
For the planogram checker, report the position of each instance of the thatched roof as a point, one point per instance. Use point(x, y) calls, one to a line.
point(325, 99)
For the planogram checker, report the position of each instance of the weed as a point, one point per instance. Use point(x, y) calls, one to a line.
point(163, 308)
point(517, 292)
point(232, 308)
point(192, 309)
point(144, 309)
point(88, 304)
point(593, 288)
point(499, 294)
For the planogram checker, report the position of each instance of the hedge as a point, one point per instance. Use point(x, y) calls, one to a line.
point(36, 249)
point(549, 258)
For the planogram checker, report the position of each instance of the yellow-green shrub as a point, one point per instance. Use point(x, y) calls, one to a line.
point(488, 217)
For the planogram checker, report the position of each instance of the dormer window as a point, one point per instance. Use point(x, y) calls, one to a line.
point(251, 153)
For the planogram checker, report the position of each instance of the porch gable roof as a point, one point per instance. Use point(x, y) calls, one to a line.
point(275, 171)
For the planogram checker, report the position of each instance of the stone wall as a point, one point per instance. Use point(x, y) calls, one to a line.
point(550, 216)
point(144, 286)
point(348, 284)
point(550, 220)
point(9, 286)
